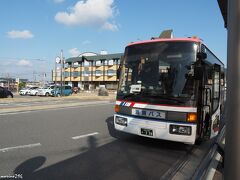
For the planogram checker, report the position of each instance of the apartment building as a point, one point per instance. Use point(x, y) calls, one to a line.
point(89, 71)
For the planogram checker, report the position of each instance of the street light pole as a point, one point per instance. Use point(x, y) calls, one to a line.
point(57, 61)
point(232, 148)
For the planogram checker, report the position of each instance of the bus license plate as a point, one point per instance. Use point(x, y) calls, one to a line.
point(146, 132)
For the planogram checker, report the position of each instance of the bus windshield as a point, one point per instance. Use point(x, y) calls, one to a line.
point(160, 72)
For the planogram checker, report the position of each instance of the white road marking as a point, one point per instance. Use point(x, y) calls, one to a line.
point(85, 135)
point(20, 147)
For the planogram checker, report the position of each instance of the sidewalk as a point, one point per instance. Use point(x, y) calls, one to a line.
point(218, 173)
point(215, 170)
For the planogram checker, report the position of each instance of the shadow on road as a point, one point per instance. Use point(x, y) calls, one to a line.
point(128, 157)
point(29, 166)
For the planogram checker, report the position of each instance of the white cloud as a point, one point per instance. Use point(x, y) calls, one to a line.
point(74, 52)
point(24, 63)
point(25, 34)
point(109, 26)
point(89, 13)
point(58, 1)
point(6, 63)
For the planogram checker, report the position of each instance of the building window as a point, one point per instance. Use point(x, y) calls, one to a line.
point(66, 74)
point(75, 65)
point(75, 73)
point(105, 62)
point(111, 72)
point(116, 61)
point(66, 66)
point(99, 73)
point(86, 73)
point(98, 63)
point(86, 64)
point(110, 62)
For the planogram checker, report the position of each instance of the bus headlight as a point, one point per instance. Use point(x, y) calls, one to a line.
point(121, 121)
point(180, 130)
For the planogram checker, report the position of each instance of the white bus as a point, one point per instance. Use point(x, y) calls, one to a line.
point(170, 89)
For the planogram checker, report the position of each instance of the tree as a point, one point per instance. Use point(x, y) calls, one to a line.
point(21, 85)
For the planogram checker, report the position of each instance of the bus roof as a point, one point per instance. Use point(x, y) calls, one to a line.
point(167, 40)
point(192, 39)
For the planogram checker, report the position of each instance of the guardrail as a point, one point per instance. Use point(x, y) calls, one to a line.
point(217, 147)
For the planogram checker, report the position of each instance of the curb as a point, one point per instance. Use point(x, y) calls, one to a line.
point(209, 163)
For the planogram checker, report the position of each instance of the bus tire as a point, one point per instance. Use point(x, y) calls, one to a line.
point(199, 140)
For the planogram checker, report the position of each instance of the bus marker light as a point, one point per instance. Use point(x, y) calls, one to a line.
point(191, 117)
point(117, 108)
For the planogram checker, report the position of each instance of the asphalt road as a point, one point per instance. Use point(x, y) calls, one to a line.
point(81, 143)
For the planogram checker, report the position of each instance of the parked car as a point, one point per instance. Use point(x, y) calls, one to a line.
point(46, 91)
point(24, 91)
point(27, 91)
point(33, 91)
point(5, 93)
point(65, 90)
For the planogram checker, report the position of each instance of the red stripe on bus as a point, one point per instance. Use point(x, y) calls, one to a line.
point(134, 103)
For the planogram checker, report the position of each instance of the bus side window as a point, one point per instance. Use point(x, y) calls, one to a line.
point(216, 87)
point(208, 84)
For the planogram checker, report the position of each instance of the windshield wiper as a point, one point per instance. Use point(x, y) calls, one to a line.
point(165, 97)
point(129, 95)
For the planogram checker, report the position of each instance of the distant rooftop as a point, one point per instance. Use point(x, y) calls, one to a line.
point(95, 57)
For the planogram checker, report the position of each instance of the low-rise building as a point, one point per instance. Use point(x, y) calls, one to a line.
point(89, 72)
point(11, 83)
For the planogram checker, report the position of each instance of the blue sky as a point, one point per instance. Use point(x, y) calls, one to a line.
point(33, 32)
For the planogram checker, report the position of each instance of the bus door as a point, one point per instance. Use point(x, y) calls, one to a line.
point(207, 110)
point(215, 118)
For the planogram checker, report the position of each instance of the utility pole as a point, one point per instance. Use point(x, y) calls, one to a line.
point(55, 72)
point(17, 82)
point(232, 148)
point(62, 66)
point(8, 80)
point(34, 76)
point(63, 74)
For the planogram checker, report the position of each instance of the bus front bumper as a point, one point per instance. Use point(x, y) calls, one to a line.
point(172, 131)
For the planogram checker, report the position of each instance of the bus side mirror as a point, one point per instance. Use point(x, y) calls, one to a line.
point(202, 55)
point(118, 72)
point(198, 73)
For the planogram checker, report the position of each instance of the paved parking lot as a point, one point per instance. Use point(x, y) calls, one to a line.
point(82, 95)
point(30, 103)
